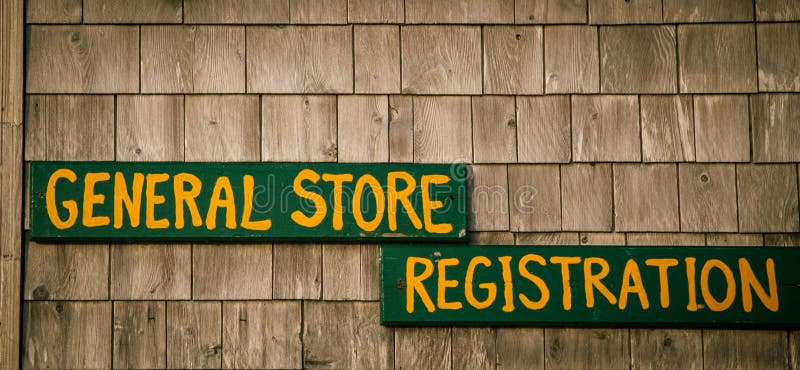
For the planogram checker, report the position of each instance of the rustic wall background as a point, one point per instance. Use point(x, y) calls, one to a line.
point(673, 122)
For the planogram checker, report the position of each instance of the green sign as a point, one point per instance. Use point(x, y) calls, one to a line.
point(160, 201)
point(572, 285)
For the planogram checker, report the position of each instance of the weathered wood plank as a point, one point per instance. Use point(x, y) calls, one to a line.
point(363, 130)
point(717, 58)
point(140, 11)
point(491, 237)
point(666, 239)
point(442, 131)
point(298, 128)
point(543, 129)
point(236, 11)
point(662, 348)
point(707, 197)
point(605, 128)
point(67, 335)
point(494, 133)
point(300, 59)
point(701, 11)
point(667, 128)
point(767, 198)
point(57, 125)
point(377, 59)
point(474, 348)
point(441, 59)
point(573, 348)
point(646, 197)
point(224, 271)
point(777, 10)
point(513, 60)
point(602, 238)
point(621, 12)
point(222, 128)
point(550, 11)
point(370, 273)
point(722, 128)
point(297, 271)
point(66, 272)
point(460, 11)
point(318, 11)
point(140, 340)
point(401, 129)
point(586, 197)
point(776, 136)
point(194, 335)
point(262, 335)
point(556, 238)
point(794, 350)
point(193, 59)
point(346, 335)
point(489, 198)
point(745, 349)
point(423, 348)
point(733, 239)
point(372, 11)
point(53, 11)
point(83, 59)
point(782, 240)
point(341, 272)
point(622, 52)
point(150, 128)
point(519, 348)
point(571, 61)
point(150, 271)
point(534, 197)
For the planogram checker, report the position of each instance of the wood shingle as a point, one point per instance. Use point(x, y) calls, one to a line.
point(543, 129)
point(236, 11)
point(571, 63)
point(222, 128)
point(534, 197)
point(298, 128)
point(66, 272)
point(150, 128)
point(586, 197)
point(363, 128)
point(377, 59)
point(140, 335)
point(767, 198)
point(721, 128)
point(232, 271)
point(261, 334)
point(441, 59)
point(646, 197)
point(707, 197)
point(623, 50)
point(194, 335)
point(151, 271)
point(53, 11)
point(776, 133)
point(513, 60)
point(318, 11)
point(489, 198)
point(549, 11)
point(667, 128)
point(442, 129)
point(140, 11)
point(494, 133)
point(702, 11)
point(459, 11)
point(778, 63)
point(621, 12)
point(717, 58)
point(605, 128)
point(376, 11)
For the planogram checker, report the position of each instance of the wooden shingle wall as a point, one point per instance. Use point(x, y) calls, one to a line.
point(591, 122)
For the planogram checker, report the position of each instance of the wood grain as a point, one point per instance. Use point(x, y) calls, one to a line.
point(460, 11)
point(660, 348)
point(150, 128)
point(57, 123)
point(193, 59)
point(667, 128)
point(140, 11)
point(571, 62)
point(491, 238)
point(370, 272)
point(53, 11)
point(70, 335)
point(513, 60)
point(543, 129)
point(602, 238)
point(298, 128)
point(377, 59)
point(194, 335)
point(534, 198)
point(401, 129)
point(346, 335)
point(259, 335)
point(376, 11)
point(140, 340)
point(620, 12)
point(442, 131)
point(745, 349)
point(767, 198)
point(707, 197)
point(422, 348)
point(236, 11)
point(300, 59)
point(777, 10)
point(151, 271)
point(554, 238)
point(605, 128)
point(474, 348)
point(586, 197)
point(489, 198)
point(550, 11)
point(11, 196)
point(66, 272)
point(232, 271)
point(318, 11)
point(83, 59)
point(646, 197)
point(733, 239)
point(297, 271)
point(222, 128)
point(363, 130)
point(782, 240)
point(666, 239)
point(519, 348)
point(622, 52)
point(776, 136)
point(341, 272)
point(441, 59)
point(721, 128)
point(494, 133)
point(691, 11)
point(573, 348)
point(717, 58)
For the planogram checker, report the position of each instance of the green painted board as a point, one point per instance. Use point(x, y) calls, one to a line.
point(169, 201)
point(595, 286)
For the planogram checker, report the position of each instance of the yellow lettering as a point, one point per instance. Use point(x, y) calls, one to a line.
point(338, 208)
point(217, 202)
point(592, 280)
point(123, 198)
point(730, 292)
point(441, 300)
point(429, 205)
point(70, 205)
point(377, 192)
point(248, 224)
point(508, 283)
point(632, 283)
point(565, 262)
point(151, 200)
point(321, 209)
point(523, 270)
point(491, 288)
point(749, 282)
point(663, 282)
point(414, 283)
point(188, 197)
point(90, 199)
point(690, 280)
point(393, 196)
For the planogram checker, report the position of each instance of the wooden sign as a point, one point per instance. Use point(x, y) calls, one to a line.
point(601, 286)
point(117, 201)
